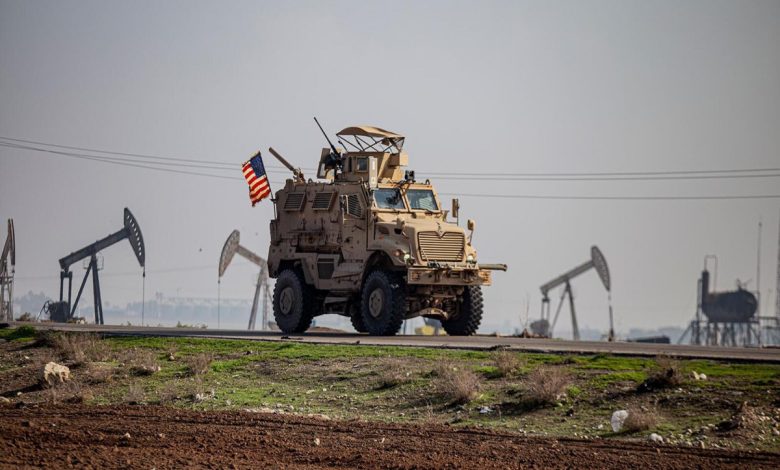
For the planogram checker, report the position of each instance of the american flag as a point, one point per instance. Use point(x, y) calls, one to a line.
point(254, 172)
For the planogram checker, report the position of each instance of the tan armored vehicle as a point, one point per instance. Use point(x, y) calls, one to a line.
point(370, 242)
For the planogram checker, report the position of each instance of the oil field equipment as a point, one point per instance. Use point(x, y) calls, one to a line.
point(723, 318)
point(543, 327)
point(62, 311)
point(7, 268)
point(229, 250)
point(370, 242)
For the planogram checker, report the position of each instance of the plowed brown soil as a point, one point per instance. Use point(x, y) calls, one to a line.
point(161, 437)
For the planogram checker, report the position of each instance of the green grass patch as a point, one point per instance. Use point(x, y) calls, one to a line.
point(613, 363)
point(604, 381)
point(758, 373)
point(297, 351)
point(22, 333)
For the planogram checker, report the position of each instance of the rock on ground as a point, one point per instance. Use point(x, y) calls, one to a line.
point(53, 374)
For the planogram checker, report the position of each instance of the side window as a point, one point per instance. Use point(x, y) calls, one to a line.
point(353, 206)
point(362, 164)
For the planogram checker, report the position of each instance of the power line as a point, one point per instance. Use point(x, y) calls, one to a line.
point(114, 162)
point(234, 168)
point(615, 173)
point(146, 165)
point(112, 152)
point(478, 177)
point(614, 198)
point(584, 176)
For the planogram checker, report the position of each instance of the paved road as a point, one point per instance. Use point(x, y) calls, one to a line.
point(452, 342)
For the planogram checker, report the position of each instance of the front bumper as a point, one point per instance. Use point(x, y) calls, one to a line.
point(448, 276)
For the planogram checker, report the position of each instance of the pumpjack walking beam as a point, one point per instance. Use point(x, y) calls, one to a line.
point(131, 231)
point(229, 250)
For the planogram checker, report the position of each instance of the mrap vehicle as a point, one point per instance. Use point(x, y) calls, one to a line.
point(370, 242)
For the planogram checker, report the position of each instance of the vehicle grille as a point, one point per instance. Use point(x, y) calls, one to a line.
point(447, 248)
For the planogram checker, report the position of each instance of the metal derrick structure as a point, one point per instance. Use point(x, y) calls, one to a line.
point(723, 318)
point(597, 262)
point(229, 250)
point(63, 310)
point(7, 268)
point(733, 318)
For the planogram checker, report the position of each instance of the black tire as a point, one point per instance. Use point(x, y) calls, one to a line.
point(355, 316)
point(383, 303)
point(468, 318)
point(294, 302)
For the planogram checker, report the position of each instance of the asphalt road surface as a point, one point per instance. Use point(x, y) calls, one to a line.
point(452, 342)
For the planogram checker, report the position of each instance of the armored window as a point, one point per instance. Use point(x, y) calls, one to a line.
point(422, 199)
point(294, 201)
point(322, 201)
point(389, 198)
point(362, 164)
point(353, 206)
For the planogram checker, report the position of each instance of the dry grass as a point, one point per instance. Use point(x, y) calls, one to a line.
point(141, 361)
point(26, 316)
point(198, 364)
point(171, 391)
point(78, 348)
point(507, 363)
point(389, 378)
point(639, 420)
point(666, 374)
point(546, 385)
point(135, 394)
point(457, 384)
point(98, 374)
point(69, 392)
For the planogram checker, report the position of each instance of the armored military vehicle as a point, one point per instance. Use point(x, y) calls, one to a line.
point(368, 241)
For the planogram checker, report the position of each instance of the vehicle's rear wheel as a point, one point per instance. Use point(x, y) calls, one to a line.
point(383, 303)
point(469, 316)
point(293, 302)
point(355, 315)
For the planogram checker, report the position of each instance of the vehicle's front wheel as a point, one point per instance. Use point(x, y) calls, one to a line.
point(383, 303)
point(355, 315)
point(293, 302)
point(469, 316)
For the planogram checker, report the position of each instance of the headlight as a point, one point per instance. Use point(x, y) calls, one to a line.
point(407, 258)
point(470, 259)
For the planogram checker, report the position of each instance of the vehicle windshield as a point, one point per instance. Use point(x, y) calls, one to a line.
point(389, 198)
point(422, 199)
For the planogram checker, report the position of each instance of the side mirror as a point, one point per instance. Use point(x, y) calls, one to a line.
point(455, 208)
point(471, 224)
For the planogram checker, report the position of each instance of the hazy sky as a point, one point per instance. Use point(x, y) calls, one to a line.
point(489, 87)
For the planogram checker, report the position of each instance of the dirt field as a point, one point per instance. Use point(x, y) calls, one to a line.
point(187, 402)
point(161, 437)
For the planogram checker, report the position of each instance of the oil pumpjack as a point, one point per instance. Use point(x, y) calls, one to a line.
point(597, 261)
point(62, 311)
point(229, 250)
point(7, 267)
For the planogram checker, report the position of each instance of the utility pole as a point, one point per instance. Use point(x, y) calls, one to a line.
point(758, 266)
point(777, 287)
